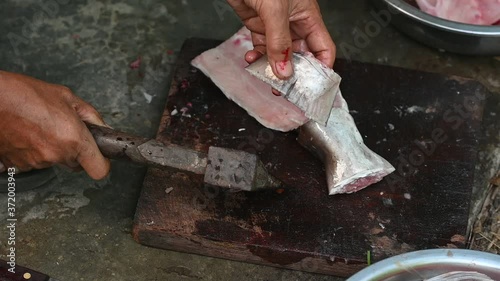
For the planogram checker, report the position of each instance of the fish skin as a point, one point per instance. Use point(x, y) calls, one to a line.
point(312, 87)
point(225, 66)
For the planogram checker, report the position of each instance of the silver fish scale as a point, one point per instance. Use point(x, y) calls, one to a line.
point(312, 88)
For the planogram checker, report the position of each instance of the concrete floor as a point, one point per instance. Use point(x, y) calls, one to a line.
point(78, 229)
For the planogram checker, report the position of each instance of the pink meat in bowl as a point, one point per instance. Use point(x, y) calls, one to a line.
point(478, 12)
point(437, 32)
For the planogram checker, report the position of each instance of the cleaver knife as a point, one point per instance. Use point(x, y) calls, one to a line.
point(222, 167)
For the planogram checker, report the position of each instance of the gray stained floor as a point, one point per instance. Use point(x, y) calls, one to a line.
point(77, 229)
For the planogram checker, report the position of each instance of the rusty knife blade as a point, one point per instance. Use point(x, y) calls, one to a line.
point(178, 157)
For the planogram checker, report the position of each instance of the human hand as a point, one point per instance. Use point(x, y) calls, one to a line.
point(280, 27)
point(42, 124)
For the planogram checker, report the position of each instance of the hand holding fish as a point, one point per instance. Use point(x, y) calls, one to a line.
point(42, 124)
point(280, 27)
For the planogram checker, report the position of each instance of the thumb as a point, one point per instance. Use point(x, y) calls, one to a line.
point(90, 157)
point(275, 17)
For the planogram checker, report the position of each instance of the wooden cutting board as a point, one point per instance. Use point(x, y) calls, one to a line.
point(426, 125)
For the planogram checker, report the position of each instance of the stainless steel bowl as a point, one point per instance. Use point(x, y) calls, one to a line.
point(439, 33)
point(421, 265)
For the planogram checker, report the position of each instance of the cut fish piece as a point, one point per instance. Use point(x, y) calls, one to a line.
point(310, 87)
point(350, 165)
point(479, 12)
point(225, 65)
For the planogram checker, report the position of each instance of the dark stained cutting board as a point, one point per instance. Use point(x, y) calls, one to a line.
point(397, 111)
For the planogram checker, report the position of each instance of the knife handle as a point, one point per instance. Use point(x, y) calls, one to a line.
point(122, 146)
point(21, 273)
point(118, 145)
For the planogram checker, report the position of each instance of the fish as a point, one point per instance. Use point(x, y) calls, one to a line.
point(312, 87)
point(478, 12)
point(225, 66)
point(349, 164)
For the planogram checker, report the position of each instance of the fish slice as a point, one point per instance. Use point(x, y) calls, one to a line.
point(312, 88)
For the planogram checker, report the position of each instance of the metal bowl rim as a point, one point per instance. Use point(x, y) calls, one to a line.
point(452, 257)
point(457, 27)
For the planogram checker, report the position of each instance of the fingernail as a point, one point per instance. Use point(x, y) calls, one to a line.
point(284, 68)
point(276, 92)
point(106, 125)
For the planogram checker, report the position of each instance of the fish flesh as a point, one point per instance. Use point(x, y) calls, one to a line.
point(312, 87)
point(350, 165)
point(478, 12)
point(225, 65)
